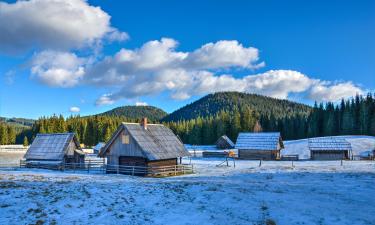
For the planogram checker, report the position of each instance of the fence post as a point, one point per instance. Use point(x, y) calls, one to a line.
point(260, 162)
point(292, 164)
point(118, 168)
point(133, 171)
point(88, 166)
point(234, 162)
point(175, 170)
point(341, 162)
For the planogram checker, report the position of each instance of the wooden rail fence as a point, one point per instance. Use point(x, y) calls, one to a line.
point(101, 167)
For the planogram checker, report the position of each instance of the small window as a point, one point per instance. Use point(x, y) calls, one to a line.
point(125, 139)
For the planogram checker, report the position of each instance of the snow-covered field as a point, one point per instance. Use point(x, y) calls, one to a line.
point(311, 192)
point(360, 144)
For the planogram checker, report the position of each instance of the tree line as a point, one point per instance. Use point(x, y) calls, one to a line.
point(355, 116)
point(7, 134)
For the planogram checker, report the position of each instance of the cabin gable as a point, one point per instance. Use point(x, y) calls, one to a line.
point(123, 145)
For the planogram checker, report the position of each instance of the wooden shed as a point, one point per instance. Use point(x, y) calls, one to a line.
point(54, 149)
point(329, 148)
point(262, 145)
point(143, 145)
point(224, 142)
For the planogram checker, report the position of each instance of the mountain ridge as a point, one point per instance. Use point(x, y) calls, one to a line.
point(212, 104)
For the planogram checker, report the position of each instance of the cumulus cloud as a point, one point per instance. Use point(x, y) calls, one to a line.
point(141, 104)
point(223, 54)
point(74, 109)
point(53, 24)
point(325, 91)
point(160, 57)
point(278, 83)
point(59, 69)
point(157, 67)
point(105, 99)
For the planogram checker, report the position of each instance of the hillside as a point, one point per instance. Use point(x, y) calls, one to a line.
point(214, 103)
point(17, 122)
point(154, 114)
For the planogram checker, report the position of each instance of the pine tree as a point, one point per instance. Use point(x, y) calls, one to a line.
point(3, 134)
point(25, 141)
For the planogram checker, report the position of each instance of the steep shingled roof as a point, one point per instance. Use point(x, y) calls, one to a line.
point(156, 142)
point(259, 141)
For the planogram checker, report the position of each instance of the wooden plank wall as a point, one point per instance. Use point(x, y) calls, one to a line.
point(329, 155)
point(118, 149)
point(254, 154)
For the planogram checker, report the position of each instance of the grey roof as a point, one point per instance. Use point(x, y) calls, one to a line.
point(329, 144)
point(156, 142)
point(224, 142)
point(201, 147)
point(259, 141)
point(99, 146)
point(50, 146)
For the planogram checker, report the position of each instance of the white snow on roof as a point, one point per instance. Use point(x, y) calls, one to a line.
point(258, 141)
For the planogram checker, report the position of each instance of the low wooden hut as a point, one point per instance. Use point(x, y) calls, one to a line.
point(224, 142)
point(54, 149)
point(261, 145)
point(98, 147)
point(143, 145)
point(329, 148)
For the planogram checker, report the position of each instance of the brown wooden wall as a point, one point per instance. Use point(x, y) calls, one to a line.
point(131, 161)
point(164, 162)
point(257, 154)
point(329, 155)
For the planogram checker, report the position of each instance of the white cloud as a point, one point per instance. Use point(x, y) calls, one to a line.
point(278, 83)
point(60, 69)
point(105, 99)
point(53, 24)
point(159, 57)
point(9, 77)
point(325, 91)
point(157, 67)
point(223, 54)
point(141, 104)
point(74, 109)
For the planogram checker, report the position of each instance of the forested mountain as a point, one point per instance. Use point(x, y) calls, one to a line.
point(354, 116)
point(212, 104)
point(153, 114)
point(203, 121)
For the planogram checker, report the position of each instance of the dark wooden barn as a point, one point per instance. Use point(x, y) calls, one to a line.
point(224, 142)
point(329, 148)
point(261, 145)
point(143, 145)
point(54, 149)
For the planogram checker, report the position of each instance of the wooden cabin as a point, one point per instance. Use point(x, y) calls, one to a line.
point(329, 148)
point(54, 149)
point(260, 145)
point(224, 142)
point(143, 145)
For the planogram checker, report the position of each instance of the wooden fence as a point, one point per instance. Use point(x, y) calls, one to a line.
point(101, 167)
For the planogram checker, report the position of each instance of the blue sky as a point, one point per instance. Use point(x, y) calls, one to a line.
point(300, 50)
